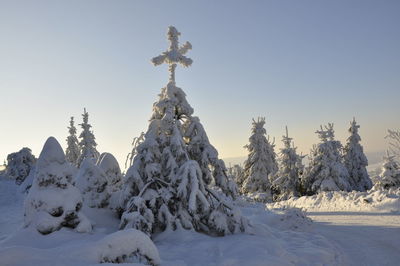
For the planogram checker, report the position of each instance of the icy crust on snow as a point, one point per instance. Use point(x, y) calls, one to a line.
point(128, 244)
point(376, 200)
point(53, 202)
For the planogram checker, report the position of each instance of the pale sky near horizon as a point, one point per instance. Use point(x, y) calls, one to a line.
point(298, 63)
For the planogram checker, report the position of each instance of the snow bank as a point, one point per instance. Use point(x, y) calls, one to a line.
point(340, 201)
point(126, 245)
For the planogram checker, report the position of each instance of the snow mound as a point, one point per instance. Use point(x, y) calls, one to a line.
point(127, 245)
point(375, 200)
point(293, 219)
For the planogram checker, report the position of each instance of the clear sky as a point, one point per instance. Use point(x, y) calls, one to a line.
point(298, 63)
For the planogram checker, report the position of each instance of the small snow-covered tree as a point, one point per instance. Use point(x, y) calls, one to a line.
point(53, 202)
point(261, 162)
point(165, 187)
point(92, 182)
point(88, 143)
point(110, 166)
point(287, 181)
point(72, 152)
point(326, 171)
point(237, 174)
point(19, 165)
point(390, 175)
point(356, 161)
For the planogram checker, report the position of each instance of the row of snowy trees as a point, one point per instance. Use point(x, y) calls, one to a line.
point(332, 167)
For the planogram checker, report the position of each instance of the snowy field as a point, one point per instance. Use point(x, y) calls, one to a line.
point(367, 236)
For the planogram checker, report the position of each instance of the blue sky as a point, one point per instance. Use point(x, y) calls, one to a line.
point(298, 63)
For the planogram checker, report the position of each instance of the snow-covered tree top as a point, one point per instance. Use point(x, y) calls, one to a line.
point(72, 128)
point(326, 132)
point(258, 126)
point(286, 140)
point(107, 161)
point(52, 152)
point(353, 127)
point(174, 54)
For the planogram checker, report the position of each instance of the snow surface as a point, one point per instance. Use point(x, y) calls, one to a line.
point(279, 237)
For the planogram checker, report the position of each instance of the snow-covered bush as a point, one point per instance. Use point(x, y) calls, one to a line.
point(53, 202)
point(88, 144)
point(126, 246)
point(166, 187)
point(72, 152)
point(92, 182)
point(287, 182)
point(356, 161)
point(19, 165)
point(390, 175)
point(261, 162)
point(326, 171)
point(110, 166)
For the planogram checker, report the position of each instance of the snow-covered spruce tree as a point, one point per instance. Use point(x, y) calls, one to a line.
point(261, 162)
point(287, 182)
point(390, 175)
point(87, 144)
point(19, 164)
point(72, 152)
point(237, 173)
point(164, 187)
point(356, 161)
point(92, 182)
point(326, 171)
point(53, 202)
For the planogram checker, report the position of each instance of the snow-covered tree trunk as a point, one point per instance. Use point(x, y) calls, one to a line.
point(87, 144)
point(356, 161)
point(53, 202)
point(72, 152)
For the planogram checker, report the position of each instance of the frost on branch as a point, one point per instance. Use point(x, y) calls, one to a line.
point(166, 186)
point(326, 171)
point(356, 161)
point(53, 202)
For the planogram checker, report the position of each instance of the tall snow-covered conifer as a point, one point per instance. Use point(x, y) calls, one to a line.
point(326, 171)
point(88, 143)
point(356, 161)
point(72, 152)
point(165, 186)
point(287, 183)
point(261, 162)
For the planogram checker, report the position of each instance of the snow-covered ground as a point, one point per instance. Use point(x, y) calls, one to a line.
point(278, 238)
